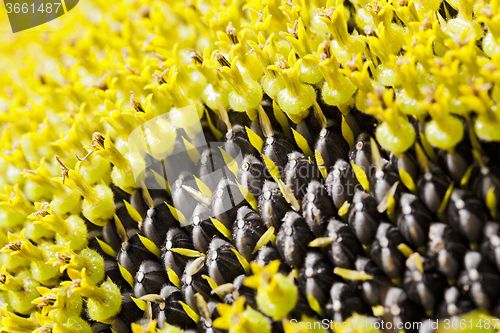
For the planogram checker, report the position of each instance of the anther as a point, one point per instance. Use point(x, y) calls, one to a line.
point(136, 104)
point(231, 33)
point(43, 210)
point(159, 78)
point(133, 71)
point(14, 246)
point(195, 57)
point(222, 60)
point(64, 169)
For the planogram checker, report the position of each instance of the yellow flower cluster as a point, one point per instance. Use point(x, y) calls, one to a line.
point(81, 84)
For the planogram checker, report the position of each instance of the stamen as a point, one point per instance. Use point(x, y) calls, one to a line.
point(136, 104)
point(231, 33)
point(196, 57)
point(222, 60)
point(64, 169)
